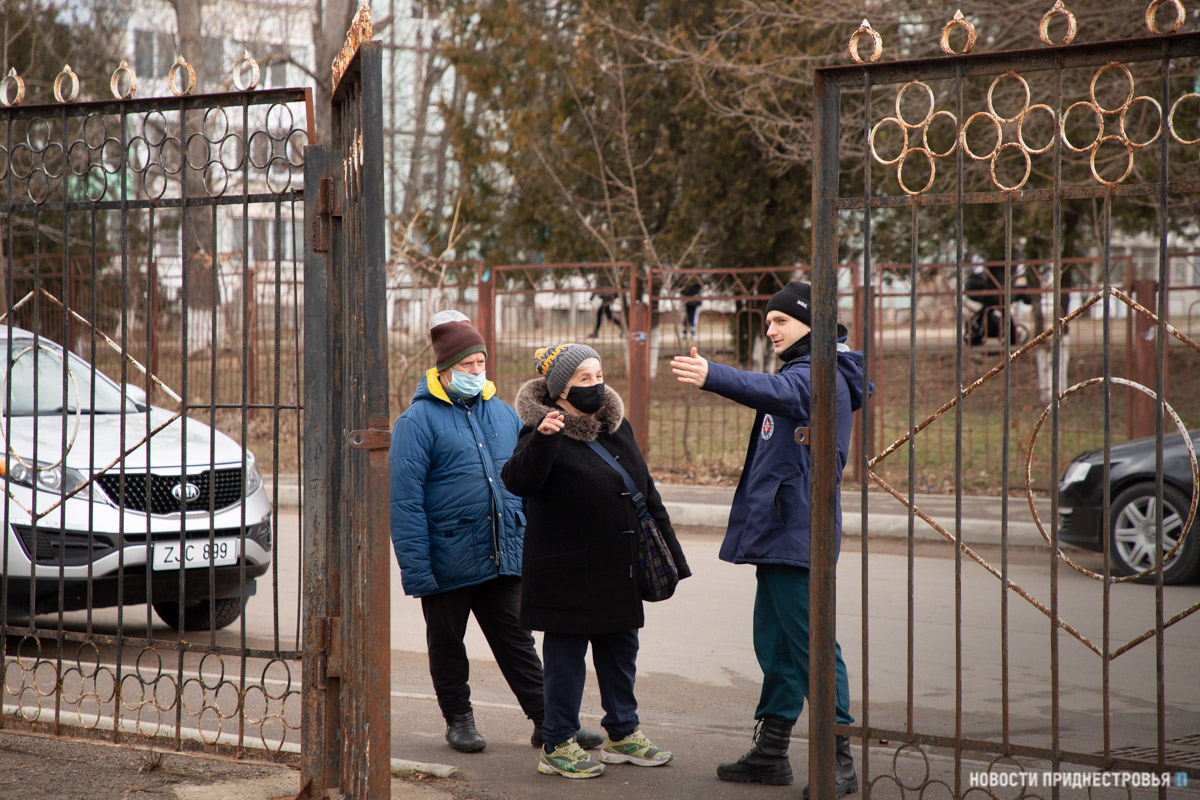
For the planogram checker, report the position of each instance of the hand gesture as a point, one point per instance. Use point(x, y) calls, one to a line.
point(690, 369)
point(552, 423)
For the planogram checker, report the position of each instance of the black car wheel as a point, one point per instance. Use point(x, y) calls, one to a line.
point(1133, 534)
point(197, 617)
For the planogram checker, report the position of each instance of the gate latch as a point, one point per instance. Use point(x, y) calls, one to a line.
point(329, 647)
point(370, 439)
point(802, 436)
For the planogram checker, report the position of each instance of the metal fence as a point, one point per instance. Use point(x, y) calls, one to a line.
point(151, 585)
point(1007, 633)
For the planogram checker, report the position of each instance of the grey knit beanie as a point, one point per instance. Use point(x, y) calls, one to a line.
point(559, 362)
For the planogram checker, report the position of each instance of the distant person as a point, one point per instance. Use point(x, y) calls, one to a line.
point(769, 526)
point(691, 311)
point(580, 556)
point(458, 532)
point(606, 296)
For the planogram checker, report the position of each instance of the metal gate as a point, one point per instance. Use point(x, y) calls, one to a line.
point(1013, 134)
point(348, 557)
point(149, 590)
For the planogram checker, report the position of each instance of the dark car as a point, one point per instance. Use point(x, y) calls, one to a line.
point(1133, 497)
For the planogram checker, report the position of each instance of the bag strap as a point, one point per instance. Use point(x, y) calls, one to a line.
point(639, 502)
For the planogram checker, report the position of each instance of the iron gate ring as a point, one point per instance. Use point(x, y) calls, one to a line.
point(925, 134)
point(1171, 120)
point(1157, 128)
point(962, 135)
point(928, 113)
point(114, 83)
point(1128, 97)
point(72, 94)
point(876, 43)
point(1121, 140)
point(958, 21)
point(932, 171)
point(246, 63)
point(181, 66)
point(903, 148)
point(1044, 25)
point(1099, 132)
point(14, 82)
point(992, 89)
point(1152, 22)
point(1021, 129)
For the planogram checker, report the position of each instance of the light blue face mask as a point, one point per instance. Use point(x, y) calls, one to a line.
point(466, 384)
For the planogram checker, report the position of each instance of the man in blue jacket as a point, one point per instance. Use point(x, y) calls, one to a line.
point(458, 531)
point(769, 526)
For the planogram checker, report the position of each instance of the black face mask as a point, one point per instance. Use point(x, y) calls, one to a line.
point(587, 399)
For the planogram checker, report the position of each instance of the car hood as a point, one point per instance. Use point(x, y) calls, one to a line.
point(205, 446)
point(1137, 448)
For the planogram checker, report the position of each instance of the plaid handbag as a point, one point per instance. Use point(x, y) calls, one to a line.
point(657, 574)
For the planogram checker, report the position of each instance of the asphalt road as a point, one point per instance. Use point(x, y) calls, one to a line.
point(698, 677)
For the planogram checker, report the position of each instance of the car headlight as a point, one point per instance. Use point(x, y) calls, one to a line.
point(253, 478)
point(1075, 473)
point(48, 478)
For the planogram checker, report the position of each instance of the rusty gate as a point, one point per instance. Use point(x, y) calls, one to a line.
point(141, 497)
point(347, 716)
point(1019, 685)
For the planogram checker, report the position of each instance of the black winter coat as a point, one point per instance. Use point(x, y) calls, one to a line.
point(580, 562)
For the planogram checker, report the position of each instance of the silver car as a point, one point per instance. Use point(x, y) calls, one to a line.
point(105, 506)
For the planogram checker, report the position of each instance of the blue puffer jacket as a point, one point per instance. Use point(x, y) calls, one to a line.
point(769, 520)
point(454, 523)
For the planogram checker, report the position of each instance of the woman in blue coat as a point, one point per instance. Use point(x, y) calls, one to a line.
point(769, 525)
point(458, 532)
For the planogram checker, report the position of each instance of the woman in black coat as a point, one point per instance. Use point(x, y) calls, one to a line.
point(580, 561)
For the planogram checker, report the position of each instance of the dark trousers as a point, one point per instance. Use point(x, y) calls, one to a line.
point(781, 644)
point(614, 656)
point(496, 605)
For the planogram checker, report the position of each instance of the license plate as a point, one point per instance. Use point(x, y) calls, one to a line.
point(196, 553)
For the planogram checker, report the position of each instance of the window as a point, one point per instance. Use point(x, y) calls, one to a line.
point(213, 58)
point(164, 56)
point(143, 53)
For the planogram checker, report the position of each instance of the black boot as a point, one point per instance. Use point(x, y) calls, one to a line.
point(767, 762)
point(461, 733)
point(845, 776)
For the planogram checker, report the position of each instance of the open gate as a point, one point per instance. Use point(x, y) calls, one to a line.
point(1010, 135)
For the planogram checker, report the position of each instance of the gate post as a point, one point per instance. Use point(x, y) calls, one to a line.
point(347, 648)
point(823, 489)
point(638, 410)
point(485, 318)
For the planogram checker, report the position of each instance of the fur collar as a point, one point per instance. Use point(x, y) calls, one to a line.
point(532, 409)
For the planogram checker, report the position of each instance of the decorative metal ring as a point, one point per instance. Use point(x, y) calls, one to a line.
point(876, 43)
point(900, 171)
point(903, 149)
point(928, 113)
point(962, 135)
point(1044, 25)
point(1028, 166)
point(240, 67)
point(925, 134)
point(1171, 121)
point(1128, 163)
point(1021, 129)
point(1099, 121)
point(1157, 128)
point(115, 82)
point(1152, 11)
point(959, 20)
point(67, 74)
point(992, 89)
point(12, 79)
point(1128, 97)
point(181, 65)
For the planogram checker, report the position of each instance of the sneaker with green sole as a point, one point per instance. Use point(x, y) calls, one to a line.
point(633, 749)
point(569, 760)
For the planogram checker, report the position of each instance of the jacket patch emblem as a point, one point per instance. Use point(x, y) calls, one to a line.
point(768, 427)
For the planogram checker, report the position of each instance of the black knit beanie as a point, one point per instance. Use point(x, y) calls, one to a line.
point(795, 300)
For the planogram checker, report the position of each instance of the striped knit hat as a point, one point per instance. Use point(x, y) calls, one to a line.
point(559, 362)
point(454, 338)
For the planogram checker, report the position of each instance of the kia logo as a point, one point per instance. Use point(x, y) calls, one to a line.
point(185, 491)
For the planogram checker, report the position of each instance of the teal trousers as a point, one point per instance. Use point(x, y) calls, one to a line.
point(781, 644)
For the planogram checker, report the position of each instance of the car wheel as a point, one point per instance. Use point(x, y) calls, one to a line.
point(197, 617)
point(1133, 534)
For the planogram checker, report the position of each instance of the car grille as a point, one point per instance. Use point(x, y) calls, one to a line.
point(74, 544)
point(225, 486)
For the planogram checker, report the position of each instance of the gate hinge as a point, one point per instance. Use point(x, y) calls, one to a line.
point(329, 646)
point(802, 436)
point(370, 439)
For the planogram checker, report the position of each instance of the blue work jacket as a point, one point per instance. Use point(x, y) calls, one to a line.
point(454, 523)
point(769, 522)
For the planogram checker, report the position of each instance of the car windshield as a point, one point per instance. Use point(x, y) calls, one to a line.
point(48, 363)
